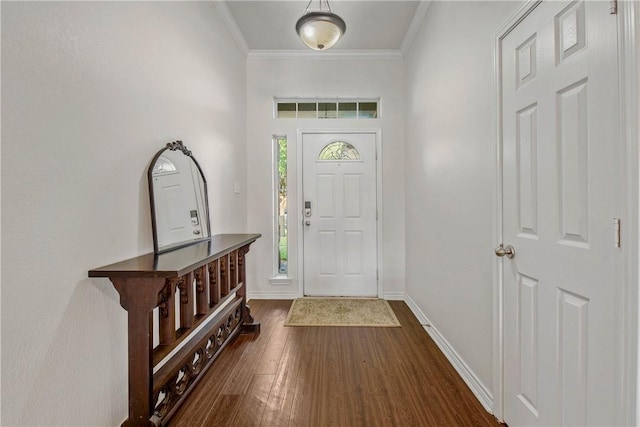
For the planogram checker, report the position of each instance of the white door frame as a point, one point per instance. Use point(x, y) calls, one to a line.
point(299, 165)
point(629, 69)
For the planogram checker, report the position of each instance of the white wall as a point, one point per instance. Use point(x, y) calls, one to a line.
point(90, 92)
point(320, 77)
point(449, 160)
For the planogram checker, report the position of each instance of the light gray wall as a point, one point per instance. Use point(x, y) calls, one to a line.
point(322, 77)
point(90, 92)
point(450, 175)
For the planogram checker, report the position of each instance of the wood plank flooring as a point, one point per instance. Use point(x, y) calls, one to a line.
point(331, 376)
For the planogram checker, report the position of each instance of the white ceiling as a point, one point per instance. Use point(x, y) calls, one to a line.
point(269, 26)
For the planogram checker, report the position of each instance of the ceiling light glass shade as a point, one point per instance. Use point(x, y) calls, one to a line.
point(320, 30)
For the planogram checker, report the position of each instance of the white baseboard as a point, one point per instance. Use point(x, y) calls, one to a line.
point(271, 295)
point(473, 382)
point(394, 296)
point(416, 310)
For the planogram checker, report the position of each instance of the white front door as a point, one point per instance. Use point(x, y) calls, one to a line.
point(561, 181)
point(176, 200)
point(339, 196)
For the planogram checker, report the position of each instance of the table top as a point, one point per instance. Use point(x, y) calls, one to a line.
point(177, 262)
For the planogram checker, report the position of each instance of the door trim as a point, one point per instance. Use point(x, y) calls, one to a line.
point(629, 93)
point(379, 223)
point(628, 18)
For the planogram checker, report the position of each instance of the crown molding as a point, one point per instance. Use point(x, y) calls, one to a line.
point(232, 26)
point(416, 22)
point(393, 54)
point(378, 54)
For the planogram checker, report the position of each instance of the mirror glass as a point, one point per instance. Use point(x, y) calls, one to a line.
point(179, 205)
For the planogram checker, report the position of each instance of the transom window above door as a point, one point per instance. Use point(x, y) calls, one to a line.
point(317, 108)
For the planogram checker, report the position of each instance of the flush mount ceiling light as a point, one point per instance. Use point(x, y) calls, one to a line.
point(320, 30)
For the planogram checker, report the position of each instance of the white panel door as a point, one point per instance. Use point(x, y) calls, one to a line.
point(339, 193)
point(560, 197)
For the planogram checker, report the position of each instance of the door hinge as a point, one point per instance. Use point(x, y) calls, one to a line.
point(616, 232)
point(613, 7)
point(376, 214)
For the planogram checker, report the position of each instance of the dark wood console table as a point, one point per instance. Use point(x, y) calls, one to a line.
point(207, 277)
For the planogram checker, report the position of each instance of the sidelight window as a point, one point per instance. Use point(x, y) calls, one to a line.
point(281, 228)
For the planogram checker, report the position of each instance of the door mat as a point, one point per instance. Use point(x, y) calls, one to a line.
point(371, 312)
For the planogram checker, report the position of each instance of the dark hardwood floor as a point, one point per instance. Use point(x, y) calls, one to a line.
point(332, 376)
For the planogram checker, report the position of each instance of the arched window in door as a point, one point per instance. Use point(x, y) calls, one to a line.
point(339, 150)
point(164, 166)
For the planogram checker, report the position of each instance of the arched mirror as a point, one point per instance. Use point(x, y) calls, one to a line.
point(179, 205)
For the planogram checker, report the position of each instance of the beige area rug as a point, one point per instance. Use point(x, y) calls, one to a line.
point(370, 312)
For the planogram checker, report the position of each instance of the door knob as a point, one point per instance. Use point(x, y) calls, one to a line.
point(507, 251)
point(307, 223)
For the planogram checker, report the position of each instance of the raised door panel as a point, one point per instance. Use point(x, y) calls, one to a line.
point(573, 152)
point(527, 170)
point(528, 343)
point(573, 333)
